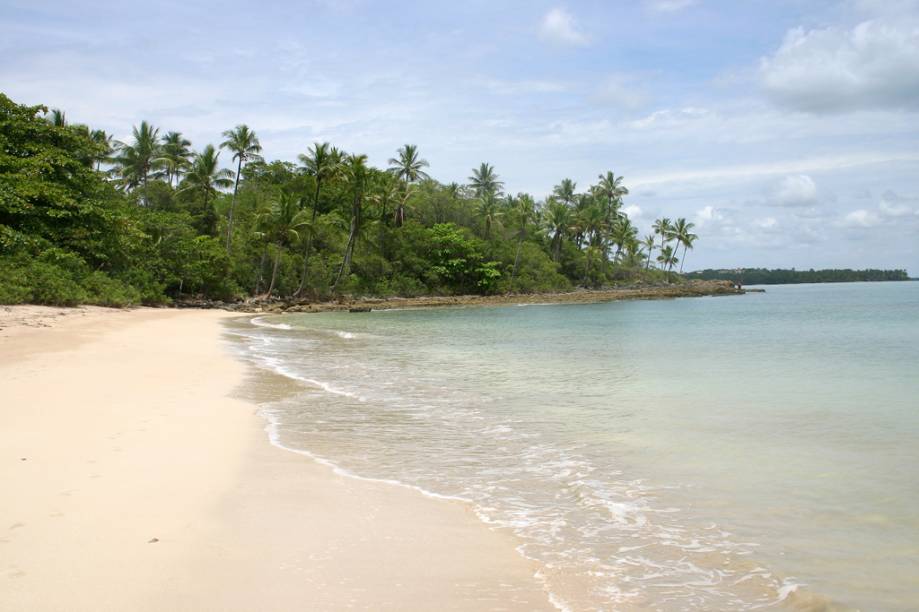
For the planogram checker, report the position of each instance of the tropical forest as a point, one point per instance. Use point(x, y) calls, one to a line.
point(86, 219)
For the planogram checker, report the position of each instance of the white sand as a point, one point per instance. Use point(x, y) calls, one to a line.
point(120, 427)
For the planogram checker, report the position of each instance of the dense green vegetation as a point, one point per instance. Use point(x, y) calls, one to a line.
point(762, 276)
point(84, 219)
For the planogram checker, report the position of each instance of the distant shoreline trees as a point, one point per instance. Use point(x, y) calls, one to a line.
point(763, 276)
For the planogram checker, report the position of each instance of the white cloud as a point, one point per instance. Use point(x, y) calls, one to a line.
point(669, 6)
point(708, 215)
point(632, 211)
point(894, 210)
point(669, 118)
point(746, 171)
point(888, 213)
point(766, 223)
point(873, 65)
point(796, 190)
point(559, 26)
point(861, 218)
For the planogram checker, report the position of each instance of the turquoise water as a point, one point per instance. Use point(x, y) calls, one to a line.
point(725, 453)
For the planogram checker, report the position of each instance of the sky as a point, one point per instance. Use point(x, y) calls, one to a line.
point(786, 130)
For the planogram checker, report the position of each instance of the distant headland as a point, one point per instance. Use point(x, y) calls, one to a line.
point(778, 276)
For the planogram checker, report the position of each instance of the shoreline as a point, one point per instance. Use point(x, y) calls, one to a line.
point(581, 296)
point(141, 480)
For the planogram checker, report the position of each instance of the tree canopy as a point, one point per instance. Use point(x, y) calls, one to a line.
point(154, 219)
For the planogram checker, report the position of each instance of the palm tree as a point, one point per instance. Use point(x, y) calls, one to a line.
point(623, 232)
point(355, 170)
point(667, 259)
point(490, 212)
point(558, 222)
point(663, 227)
point(565, 191)
point(135, 162)
point(408, 167)
point(594, 224)
point(281, 225)
point(321, 162)
point(206, 177)
point(649, 244)
point(387, 190)
point(682, 233)
point(523, 209)
point(245, 147)
point(104, 147)
point(485, 182)
point(57, 118)
point(611, 188)
point(175, 156)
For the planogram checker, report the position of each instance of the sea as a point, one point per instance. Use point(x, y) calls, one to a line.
point(746, 452)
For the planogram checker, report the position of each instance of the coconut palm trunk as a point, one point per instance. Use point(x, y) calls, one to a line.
point(352, 238)
point(239, 168)
point(309, 241)
point(274, 269)
point(517, 258)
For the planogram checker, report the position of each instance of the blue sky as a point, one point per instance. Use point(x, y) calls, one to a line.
point(787, 130)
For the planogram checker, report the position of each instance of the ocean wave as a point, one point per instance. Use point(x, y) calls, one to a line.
point(573, 514)
point(260, 322)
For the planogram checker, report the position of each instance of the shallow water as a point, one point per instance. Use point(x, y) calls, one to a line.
point(724, 453)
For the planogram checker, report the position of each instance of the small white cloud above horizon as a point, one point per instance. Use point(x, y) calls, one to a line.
point(559, 26)
point(861, 218)
point(796, 190)
point(669, 6)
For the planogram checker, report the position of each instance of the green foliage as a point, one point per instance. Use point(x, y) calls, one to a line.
point(86, 220)
point(762, 276)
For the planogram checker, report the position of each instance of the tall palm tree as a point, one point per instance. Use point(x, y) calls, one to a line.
point(490, 212)
point(649, 244)
point(593, 221)
point(409, 167)
point(558, 222)
point(565, 191)
point(245, 147)
point(682, 233)
point(322, 162)
point(612, 189)
point(356, 171)
point(523, 209)
point(104, 148)
point(388, 189)
point(281, 224)
point(136, 161)
point(484, 181)
point(623, 232)
point(175, 156)
point(667, 259)
point(57, 118)
point(664, 228)
point(206, 177)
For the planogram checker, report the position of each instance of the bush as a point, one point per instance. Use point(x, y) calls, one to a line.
point(67, 283)
point(103, 290)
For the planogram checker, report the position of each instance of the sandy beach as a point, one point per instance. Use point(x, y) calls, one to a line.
point(136, 478)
